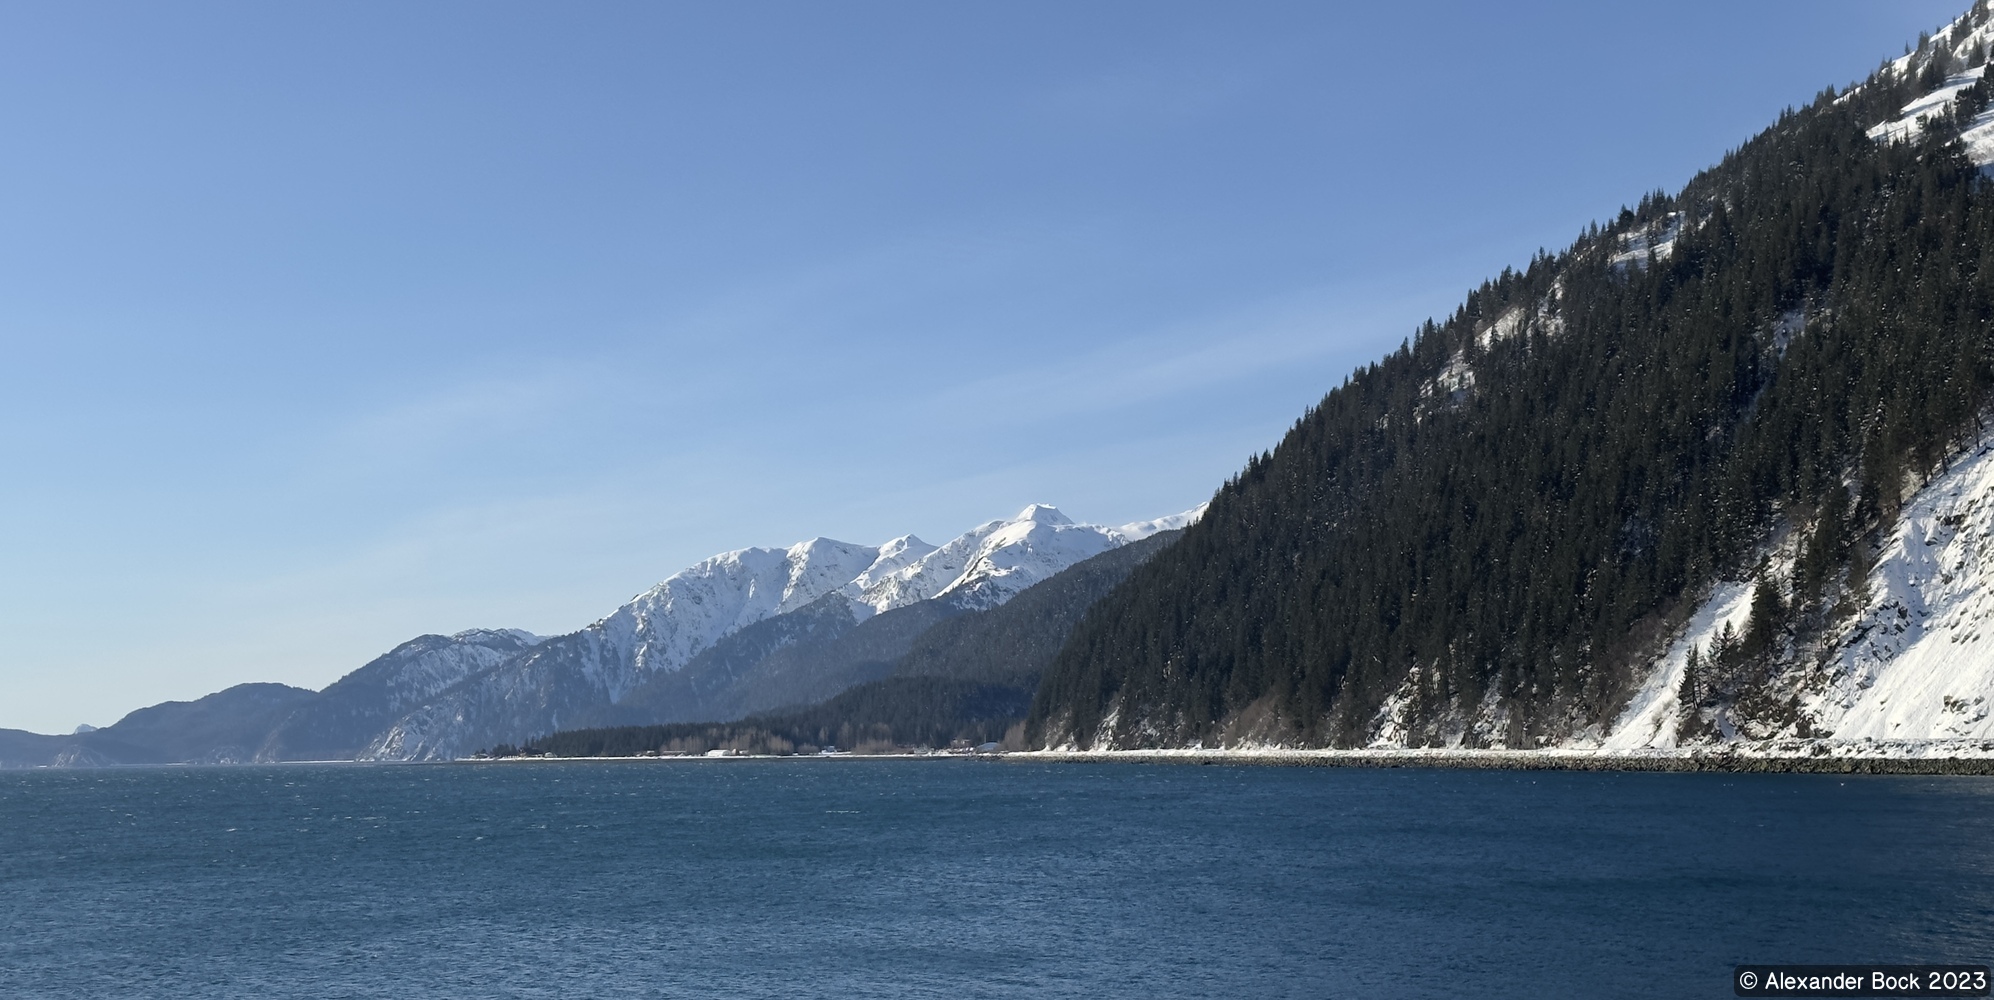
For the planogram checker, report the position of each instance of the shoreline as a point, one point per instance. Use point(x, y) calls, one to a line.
point(1948, 757)
point(1697, 760)
point(1939, 757)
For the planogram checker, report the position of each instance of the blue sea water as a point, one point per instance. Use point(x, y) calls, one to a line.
point(954, 878)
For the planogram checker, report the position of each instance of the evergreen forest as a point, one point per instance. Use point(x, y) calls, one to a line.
point(1495, 524)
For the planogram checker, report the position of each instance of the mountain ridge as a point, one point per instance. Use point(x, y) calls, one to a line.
point(439, 696)
point(574, 680)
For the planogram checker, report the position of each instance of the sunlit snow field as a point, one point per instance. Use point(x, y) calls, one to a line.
point(853, 878)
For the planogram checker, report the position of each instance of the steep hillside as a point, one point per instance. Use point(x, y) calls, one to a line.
point(1495, 535)
point(1904, 657)
point(339, 722)
point(226, 727)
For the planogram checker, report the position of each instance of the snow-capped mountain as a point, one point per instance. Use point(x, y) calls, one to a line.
point(576, 679)
point(990, 563)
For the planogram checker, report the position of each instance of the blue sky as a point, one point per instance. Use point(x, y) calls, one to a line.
point(325, 326)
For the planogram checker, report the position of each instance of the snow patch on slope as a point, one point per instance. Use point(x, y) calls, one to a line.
point(1979, 139)
point(1960, 44)
point(1454, 384)
point(1392, 726)
point(1649, 721)
point(1788, 326)
point(419, 669)
point(1506, 326)
point(1918, 663)
point(1395, 724)
point(1659, 238)
point(1912, 120)
point(1543, 317)
point(1957, 39)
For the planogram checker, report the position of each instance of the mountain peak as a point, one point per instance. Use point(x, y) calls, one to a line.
point(903, 545)
point(1040, 513)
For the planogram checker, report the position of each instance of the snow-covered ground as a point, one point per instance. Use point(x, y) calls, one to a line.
point(1454, 384)
point(1914, 665)
point(1919, 661)
point(1979, 139)
point(1658, 240)
point(1652, 715)
point(1911, 121)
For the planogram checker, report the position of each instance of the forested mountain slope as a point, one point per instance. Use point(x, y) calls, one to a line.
point(1498, 534)
point(339, 721)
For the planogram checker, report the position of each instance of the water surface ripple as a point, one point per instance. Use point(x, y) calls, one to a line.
point(892, 879)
